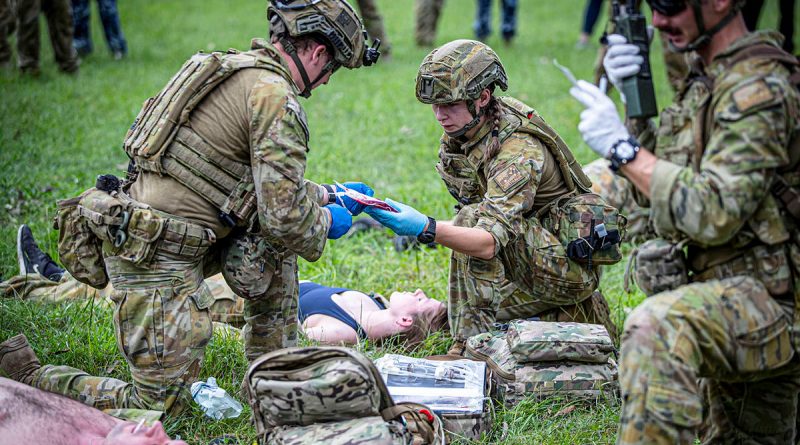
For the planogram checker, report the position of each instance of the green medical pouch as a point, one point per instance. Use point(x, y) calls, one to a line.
point(570, 372)
point(543, 341)
point(589, 229)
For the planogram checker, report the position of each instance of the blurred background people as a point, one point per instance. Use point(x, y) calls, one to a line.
point(426, 13)
point(59, 26)
point(590, 15)
point(373, 22)
point(508, 20)
point(109, 16)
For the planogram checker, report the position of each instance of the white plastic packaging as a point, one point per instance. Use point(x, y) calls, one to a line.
point(445, 386)
point(215, 401)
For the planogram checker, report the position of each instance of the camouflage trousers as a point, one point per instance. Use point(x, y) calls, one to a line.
point(618, 192)
point(373, 22)
point(162, 325)
point(426, 13)
point(7, 27)
point(59, 25)
point(714, 358)
point(227, 307)
point(530, 276)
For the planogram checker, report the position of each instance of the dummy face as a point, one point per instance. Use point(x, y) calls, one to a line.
point(413, 303)
point(123, 434)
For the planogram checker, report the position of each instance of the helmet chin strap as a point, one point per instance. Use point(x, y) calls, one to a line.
point(476, 118)
point(705, 35)
point(307, 84)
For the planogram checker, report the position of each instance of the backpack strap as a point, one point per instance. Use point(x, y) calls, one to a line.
point(420, 420)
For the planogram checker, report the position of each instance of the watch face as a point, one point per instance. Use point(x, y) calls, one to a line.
point(426, 237)
point(625, 151)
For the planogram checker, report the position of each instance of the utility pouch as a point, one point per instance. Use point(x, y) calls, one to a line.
point(248, 263)
point(79, 249)
point(660, 266)
point(317, 395)
point(589, 229)
point(543, 341)
point(577, 372)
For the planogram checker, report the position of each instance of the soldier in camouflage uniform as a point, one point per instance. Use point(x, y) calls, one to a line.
point(426, 18)
point(502, 163)
point(59, 26)
point(218, 185)
point(717, 356)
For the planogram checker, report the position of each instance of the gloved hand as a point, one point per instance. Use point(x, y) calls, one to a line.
point(354, 207)
point(600, 124)
point(408, 221)
point(622, 60)
point(341, 220)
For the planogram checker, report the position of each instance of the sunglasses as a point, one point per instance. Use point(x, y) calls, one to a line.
point(668, 8)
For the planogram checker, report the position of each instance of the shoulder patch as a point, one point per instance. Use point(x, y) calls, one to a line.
point(510, 177)
point(752, 94)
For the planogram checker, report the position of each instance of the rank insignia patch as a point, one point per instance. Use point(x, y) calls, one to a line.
point(753, 94)
point(510, 177)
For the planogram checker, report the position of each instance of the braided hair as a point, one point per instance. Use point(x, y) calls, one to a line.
point(494, 113)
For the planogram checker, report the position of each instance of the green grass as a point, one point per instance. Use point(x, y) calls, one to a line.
point(58, 132)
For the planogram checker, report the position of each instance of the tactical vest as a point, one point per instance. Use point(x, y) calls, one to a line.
point(464, 189)
point(533, 124)
point(159, 141)
point(768, 228)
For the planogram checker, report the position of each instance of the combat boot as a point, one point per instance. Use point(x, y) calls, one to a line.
point(17, 359)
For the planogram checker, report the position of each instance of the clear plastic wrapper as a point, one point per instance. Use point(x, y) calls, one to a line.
point(215, 401)
point(445, 386)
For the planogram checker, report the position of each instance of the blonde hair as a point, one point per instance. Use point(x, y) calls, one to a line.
point(423, 325)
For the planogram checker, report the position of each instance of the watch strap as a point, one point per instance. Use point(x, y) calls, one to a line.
point(428, 235)
point(617, 161)
point(331, 193)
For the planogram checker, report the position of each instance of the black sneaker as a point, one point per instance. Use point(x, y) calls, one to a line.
point(32, 259)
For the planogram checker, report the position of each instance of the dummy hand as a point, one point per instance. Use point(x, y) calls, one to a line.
point(600, 125)
point(354, 207)
point(622, 60)
point(408, 221)
point(340, 221)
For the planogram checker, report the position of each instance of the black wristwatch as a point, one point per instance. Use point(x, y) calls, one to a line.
point(429, 234)
point(331, 193)
point(622, 152)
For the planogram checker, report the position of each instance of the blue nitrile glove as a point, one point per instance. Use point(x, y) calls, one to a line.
point(408, 221)
point(340, 221)
point(354, 207)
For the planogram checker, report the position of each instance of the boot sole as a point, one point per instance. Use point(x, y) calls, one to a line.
point(20, 254)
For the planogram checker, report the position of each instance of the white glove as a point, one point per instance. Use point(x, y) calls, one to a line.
point(600, 124)
point(622, 60)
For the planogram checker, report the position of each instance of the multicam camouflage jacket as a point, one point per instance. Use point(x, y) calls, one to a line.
point(711, 184)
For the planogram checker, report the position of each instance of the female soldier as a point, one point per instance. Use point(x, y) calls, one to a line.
point(504, 165)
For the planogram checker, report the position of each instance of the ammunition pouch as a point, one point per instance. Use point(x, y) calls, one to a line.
point(98, 223)
point(660, 266)
point(79, 249)
point(589, 229)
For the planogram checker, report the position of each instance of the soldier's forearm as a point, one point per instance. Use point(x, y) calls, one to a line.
point(640, 171)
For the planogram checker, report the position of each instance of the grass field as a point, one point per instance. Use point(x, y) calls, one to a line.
point(58, 132)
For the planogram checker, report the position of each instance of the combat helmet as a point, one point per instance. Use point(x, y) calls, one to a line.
point(460, 70)
point(333, 21)
point(673, 7)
